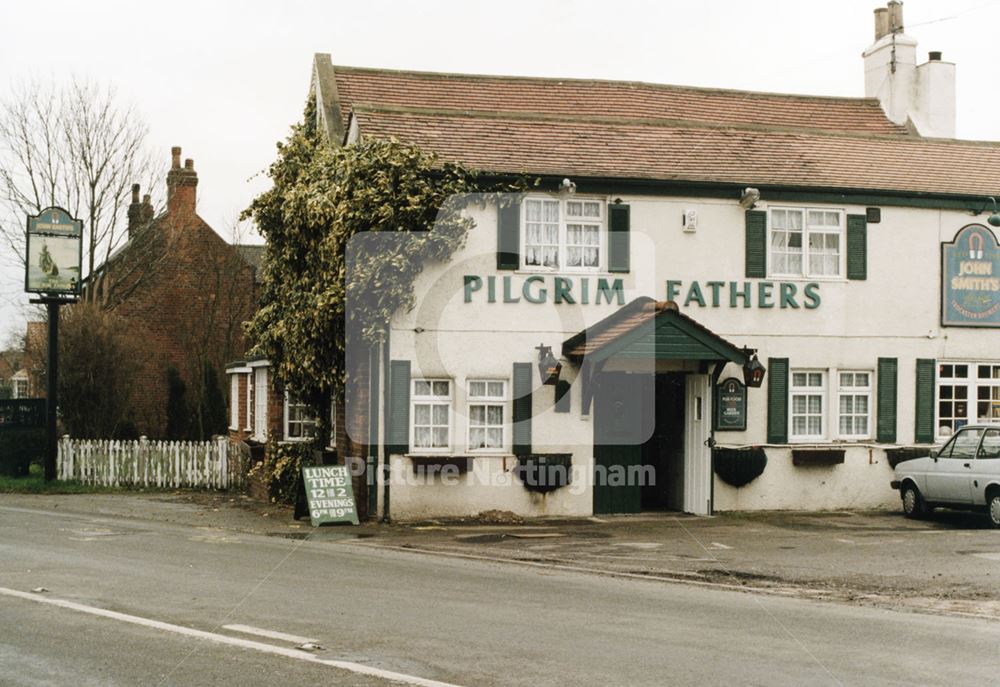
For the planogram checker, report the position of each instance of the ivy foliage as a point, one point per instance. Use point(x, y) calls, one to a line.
point(348, 230)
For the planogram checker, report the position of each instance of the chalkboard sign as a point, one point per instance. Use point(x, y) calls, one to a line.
point(329, 494)
point(731, 406)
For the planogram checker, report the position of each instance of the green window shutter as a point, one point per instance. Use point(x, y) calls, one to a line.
point(756, 244)
point(562, 396)
point(857, 247)
point(619, 218)
point(885, 431)
point(924, 420)
point(509, 237)
point(777, 400)
point(522, 408)
point(398, 410)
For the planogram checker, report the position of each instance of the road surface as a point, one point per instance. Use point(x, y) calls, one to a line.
point(134, 602)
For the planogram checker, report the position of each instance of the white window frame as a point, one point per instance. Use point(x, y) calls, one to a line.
point(287, 421)
point(431, 400)
point(487, 401)
point(234, 401)
point(821, 391)
point(971, 383)
point(807, 229)
point(260, 403)
point(249, 418)
point(563, 234)
point(19, 386)
point(854, 391)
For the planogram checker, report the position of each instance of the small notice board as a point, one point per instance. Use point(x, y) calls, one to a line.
point(329, 494)
point(731, 406)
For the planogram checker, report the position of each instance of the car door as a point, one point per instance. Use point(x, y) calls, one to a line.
point(986, 468)
point(950, 478)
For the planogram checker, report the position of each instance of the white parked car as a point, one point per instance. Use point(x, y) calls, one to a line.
point(964, 473)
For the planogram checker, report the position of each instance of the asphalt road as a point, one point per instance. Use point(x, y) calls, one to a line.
point(132, 602)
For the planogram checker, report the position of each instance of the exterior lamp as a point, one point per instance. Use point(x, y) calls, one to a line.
point(753, 372)
point(548, 367)
point(994, 219)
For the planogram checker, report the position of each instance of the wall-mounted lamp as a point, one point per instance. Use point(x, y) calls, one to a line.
point(567, 186)
point(994, 219)
point(548, 367)
point(749, 198)
point(753, 371)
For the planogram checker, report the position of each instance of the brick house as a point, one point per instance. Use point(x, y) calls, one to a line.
point(184, 291)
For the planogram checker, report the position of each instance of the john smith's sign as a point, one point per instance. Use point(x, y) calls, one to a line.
point(970, 279)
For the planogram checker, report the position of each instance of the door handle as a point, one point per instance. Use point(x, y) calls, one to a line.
point(967, 465)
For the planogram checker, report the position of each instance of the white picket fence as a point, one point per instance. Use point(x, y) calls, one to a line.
point(144, 463)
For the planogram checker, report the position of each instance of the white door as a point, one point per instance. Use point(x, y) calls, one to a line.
point(697, 454)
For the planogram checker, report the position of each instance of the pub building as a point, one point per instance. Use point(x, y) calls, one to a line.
point(714, 300)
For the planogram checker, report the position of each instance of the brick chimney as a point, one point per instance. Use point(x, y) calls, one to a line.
point(181, 184)
point(922, 94)
point(134, 212)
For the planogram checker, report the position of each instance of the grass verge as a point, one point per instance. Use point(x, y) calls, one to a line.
point(35, 483)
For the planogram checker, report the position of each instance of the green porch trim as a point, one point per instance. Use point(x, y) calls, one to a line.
point(670, 336)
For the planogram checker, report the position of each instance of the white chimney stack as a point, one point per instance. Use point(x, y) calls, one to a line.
point(924, 95)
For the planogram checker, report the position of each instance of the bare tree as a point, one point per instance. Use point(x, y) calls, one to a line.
point(76, 147)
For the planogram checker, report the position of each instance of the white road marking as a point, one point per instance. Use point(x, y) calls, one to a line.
point(229, 641)
point(270, 634)
point(717, 545)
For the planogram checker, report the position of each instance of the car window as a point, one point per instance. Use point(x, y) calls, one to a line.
point(946, 449)
point(966, 443)
point(990, 448)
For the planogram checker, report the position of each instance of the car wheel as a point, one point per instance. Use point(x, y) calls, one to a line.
point(994, 506)
point(913, 503)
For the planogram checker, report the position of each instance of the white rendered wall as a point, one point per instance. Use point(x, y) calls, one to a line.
point(894, 313)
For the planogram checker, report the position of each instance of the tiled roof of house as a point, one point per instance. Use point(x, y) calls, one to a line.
point(575, 98)
point(696, 153)
point(625, 130)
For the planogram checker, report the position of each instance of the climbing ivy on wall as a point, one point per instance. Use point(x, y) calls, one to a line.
point(323, 199)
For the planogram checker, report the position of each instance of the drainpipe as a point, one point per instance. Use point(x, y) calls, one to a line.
point(386, 468)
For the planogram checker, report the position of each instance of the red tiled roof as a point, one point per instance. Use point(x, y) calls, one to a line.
point(627, 130)
point(697, 153)
point(618, 99)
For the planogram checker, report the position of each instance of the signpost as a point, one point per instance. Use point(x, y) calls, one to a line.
point(329, 494)
point(731, 406)
point(52, 266)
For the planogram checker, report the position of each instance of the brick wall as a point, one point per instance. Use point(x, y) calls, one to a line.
point(184, 292)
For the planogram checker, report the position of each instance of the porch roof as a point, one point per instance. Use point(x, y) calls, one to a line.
point(646, 328)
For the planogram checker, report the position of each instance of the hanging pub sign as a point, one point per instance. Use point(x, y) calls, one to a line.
point(329, 494)
point(731, 406)
point(54, 253)
point(970, 279)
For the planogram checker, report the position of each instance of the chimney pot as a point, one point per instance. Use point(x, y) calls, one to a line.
point(175, 157)
point(934, 56)
point(189, 164)
point(881, 22)
point(895, 16)
point(135, 193)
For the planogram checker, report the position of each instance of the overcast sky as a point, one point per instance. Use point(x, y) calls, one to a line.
point(224, 80)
